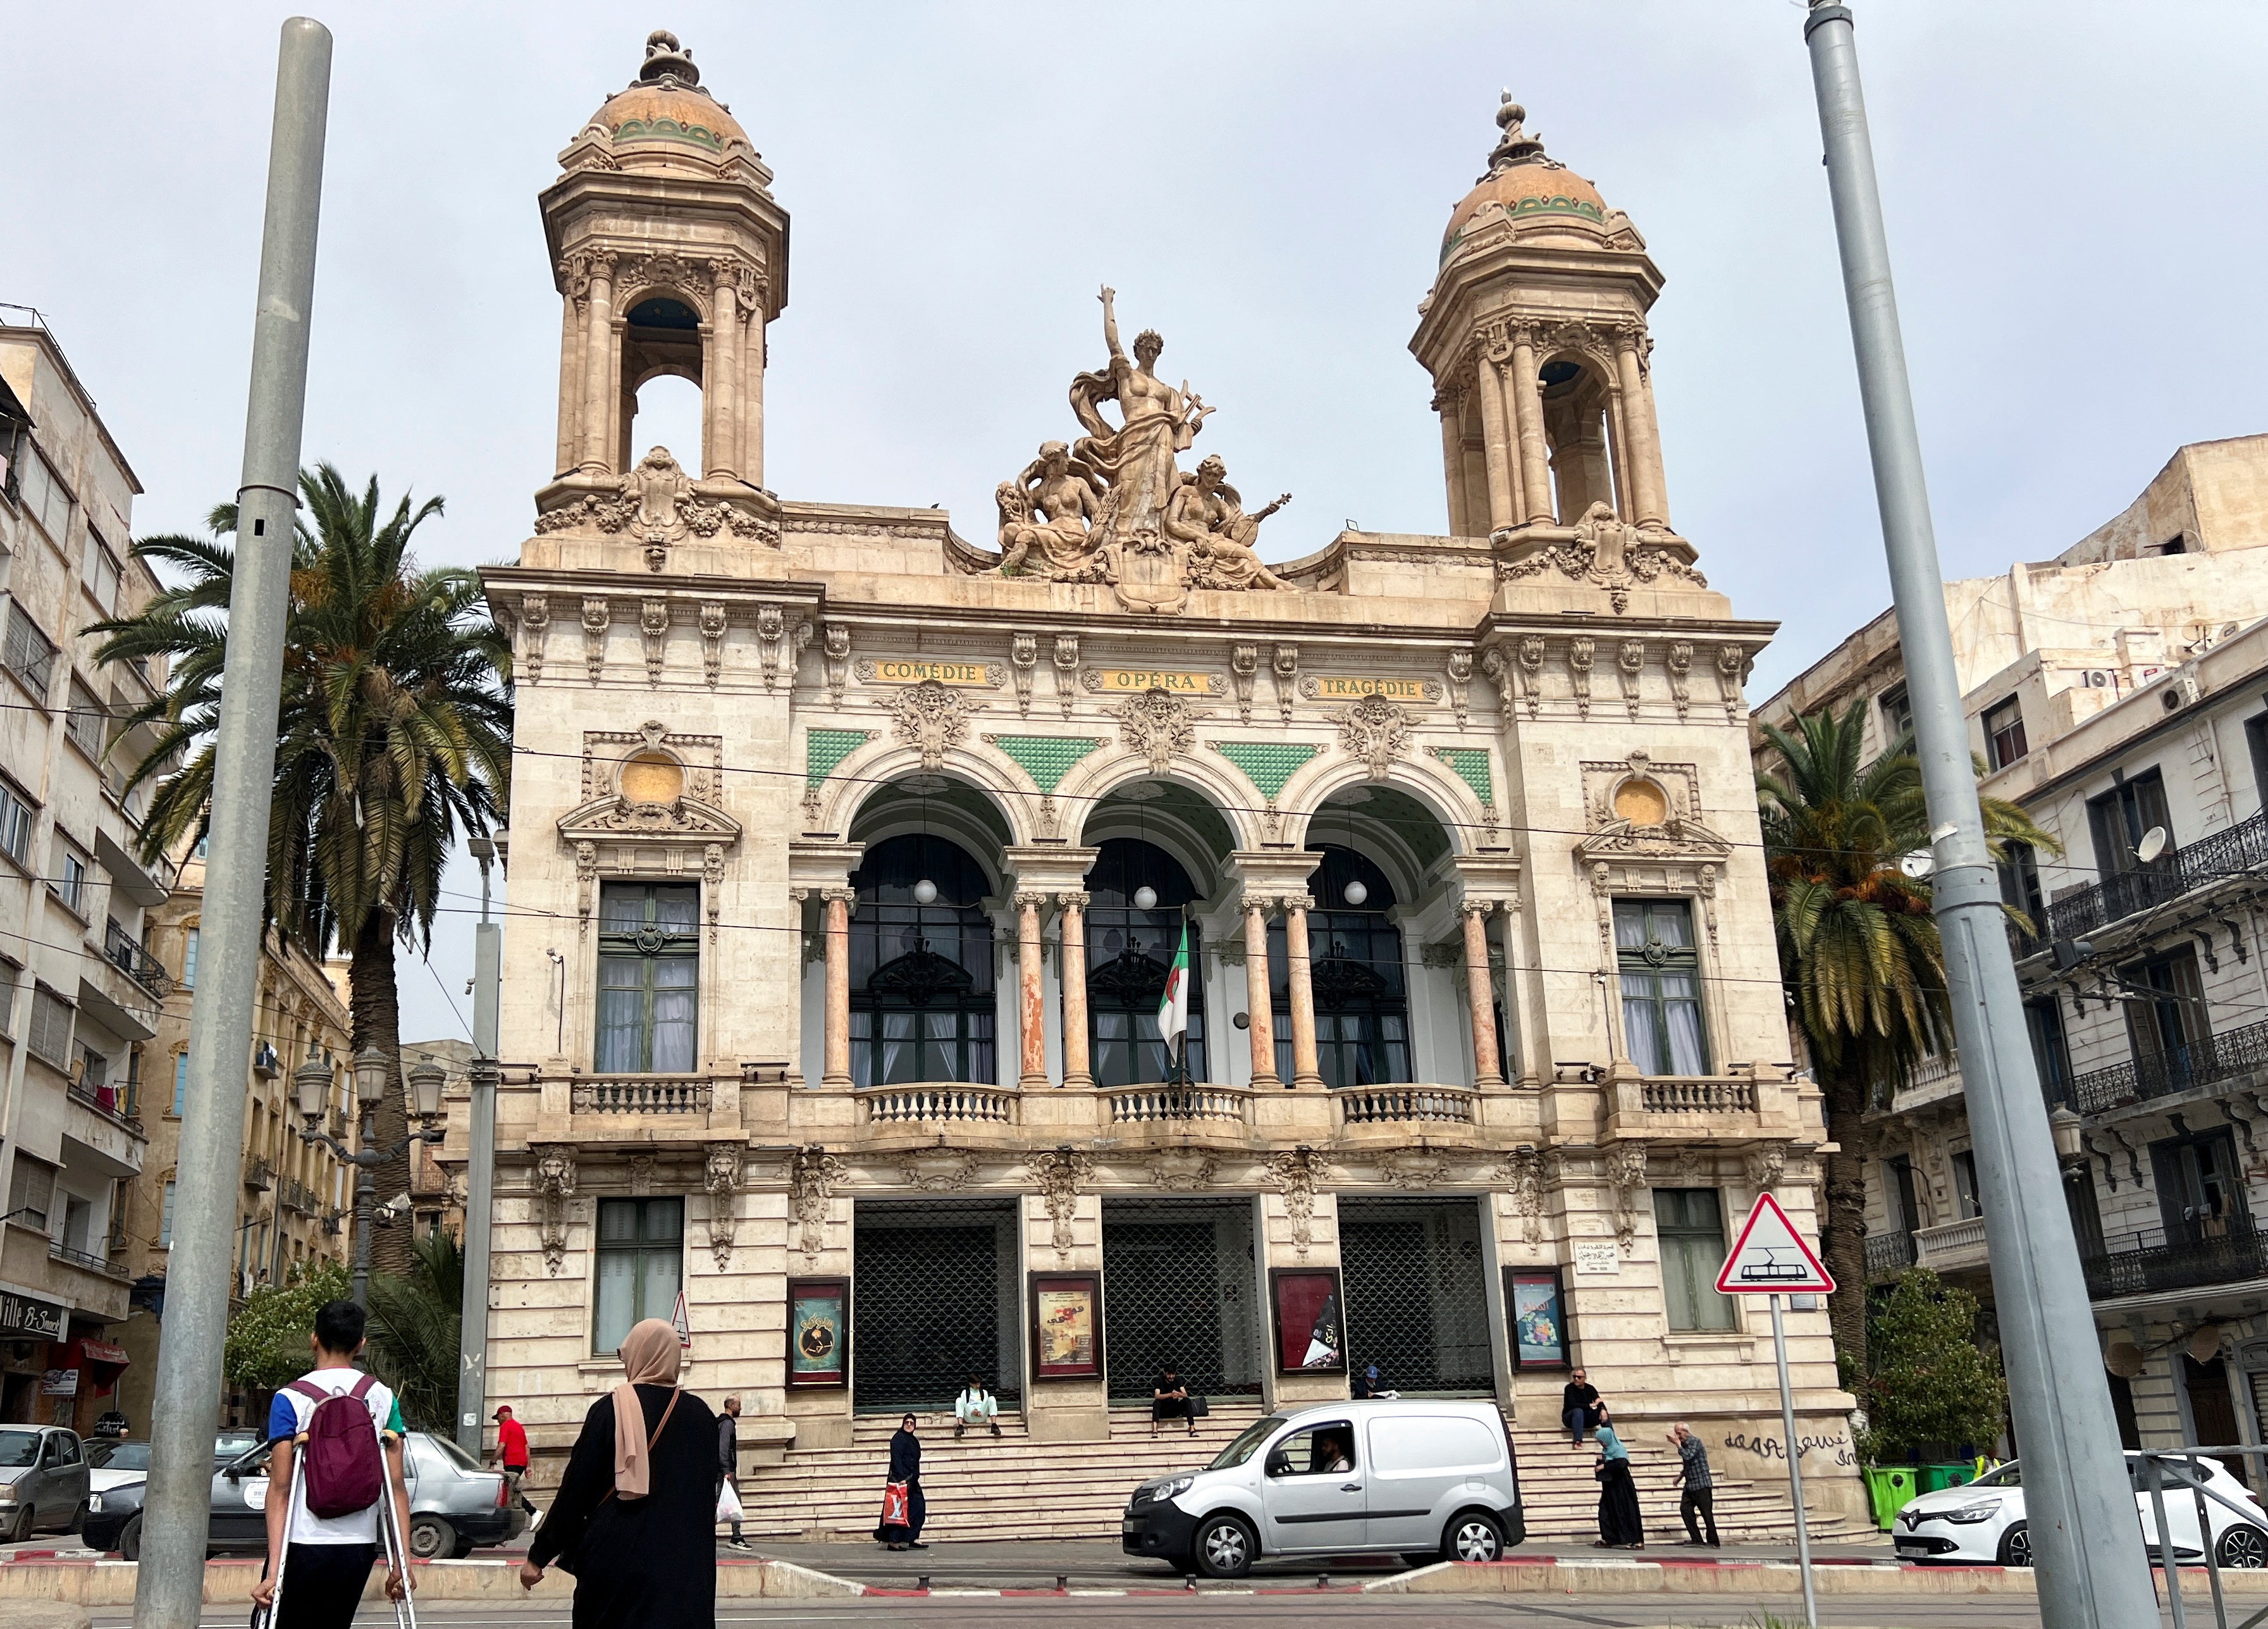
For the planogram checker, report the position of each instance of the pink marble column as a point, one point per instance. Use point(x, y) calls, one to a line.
point(1488, 1068)
point(837, 903)
point(1258, 1002)
point(1077, 1071)
point(1306, 1071)
point(1029, 1005)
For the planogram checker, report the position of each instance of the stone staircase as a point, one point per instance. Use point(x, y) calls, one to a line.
point(982, 1488)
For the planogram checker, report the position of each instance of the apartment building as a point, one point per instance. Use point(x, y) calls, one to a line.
point(79, 992)
point(2119, 693)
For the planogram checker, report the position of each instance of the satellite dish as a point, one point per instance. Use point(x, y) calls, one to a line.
point(2153, 845)
point(2125, 1360)
point(1918, 865)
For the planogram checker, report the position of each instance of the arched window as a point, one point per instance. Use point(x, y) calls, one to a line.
point(1129, 953)
point(921, 976)
point(1362, 990)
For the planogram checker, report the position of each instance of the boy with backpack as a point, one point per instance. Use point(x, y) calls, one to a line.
point(343, 1430)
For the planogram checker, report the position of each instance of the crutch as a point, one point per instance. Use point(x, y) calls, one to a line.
point(262, 1618)
point(397, 1557)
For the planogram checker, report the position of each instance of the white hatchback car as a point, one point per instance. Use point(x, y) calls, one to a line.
point(1984, 1521)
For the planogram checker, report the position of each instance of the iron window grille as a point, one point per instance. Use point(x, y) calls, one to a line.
point(649, 978)
point(923, 1003)
point(1129, 953)
point(1357, 974)
point(1661, 969)
point(1690, 1222)
point(641, 1251)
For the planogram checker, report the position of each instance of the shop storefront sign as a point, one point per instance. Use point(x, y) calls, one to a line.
point(26, 1317)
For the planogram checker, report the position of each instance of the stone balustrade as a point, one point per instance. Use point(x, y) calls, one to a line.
point(947, 1102)
point(642, 1095)
point(1697, 1096)
point(1950, 1245)
point(1150, 1105)
point(1373, 1105)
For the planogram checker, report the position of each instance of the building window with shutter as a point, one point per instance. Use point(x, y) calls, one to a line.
point(189, 960)
point(16, 816)
point(1661, 969)
point(641, 1250)
point(649, 978)
point(98, 571)
point(2004, 734)
point(28, 654)
point(32, 1192)
point(1690, 1224)
point(84, 723)
point(181, 1082)
point(71, 883)
point(165, 1219)
point(51, 1027)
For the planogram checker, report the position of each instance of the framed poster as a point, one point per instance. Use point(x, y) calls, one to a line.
point(1066, 1325)
point(818, 1331)
point(1536, 1302)
point(1310, 1327)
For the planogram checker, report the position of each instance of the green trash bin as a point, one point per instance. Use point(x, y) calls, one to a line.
point(1892, 1488)
point(1936, 1477)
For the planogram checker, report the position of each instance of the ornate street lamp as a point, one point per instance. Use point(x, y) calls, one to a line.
point(310, 1085)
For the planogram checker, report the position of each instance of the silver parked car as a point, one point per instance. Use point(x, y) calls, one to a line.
point(43, 1481)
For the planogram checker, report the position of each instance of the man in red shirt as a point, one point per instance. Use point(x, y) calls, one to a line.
point(511, 1448)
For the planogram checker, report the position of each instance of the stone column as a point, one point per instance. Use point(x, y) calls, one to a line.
point(1031, 1008)
point(1527, 410)
point(1306, 1071)
point(1480, 990)
point(571, 386)
point(837, 1059)
point(1496, 438)
point(1452, 464)
point(1638, 447)
point(1258, 1002)
point(602, 361)
point(751, 444)
point(1077, 1071)
point(720, 380)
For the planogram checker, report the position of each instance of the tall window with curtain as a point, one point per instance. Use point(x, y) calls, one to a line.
point(649, 976)
point(922, 994)
point(1129, 953)
point(1690, 1224)
point(1660, 971)
point(641, 1262)
point(1355, 970)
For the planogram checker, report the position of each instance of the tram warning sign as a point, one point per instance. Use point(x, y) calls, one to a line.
point(1771, 1258)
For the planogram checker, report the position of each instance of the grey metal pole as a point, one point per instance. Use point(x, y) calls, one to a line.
point(1794, 1470)
point(2079, 1502)
point(480, 1167)
point(366, 1204)
point(169, 1592)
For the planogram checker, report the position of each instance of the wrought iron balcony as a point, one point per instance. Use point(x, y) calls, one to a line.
point(258, 1173)
point(1889, 1255)
point(105, 1101)
point(2230, 1055)
point(2153, 1262)
point(2228, 852)
point(125, 953)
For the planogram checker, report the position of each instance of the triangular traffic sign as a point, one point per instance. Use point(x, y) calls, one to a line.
point(678, 1322)
point(1771, 1258)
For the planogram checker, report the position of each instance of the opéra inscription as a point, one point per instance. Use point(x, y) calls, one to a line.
point(1115, 506)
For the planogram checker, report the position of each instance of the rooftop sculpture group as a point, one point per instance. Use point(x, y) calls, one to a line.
point(1116, 507)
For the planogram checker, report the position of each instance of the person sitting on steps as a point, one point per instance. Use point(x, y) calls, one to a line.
point(976, 1406)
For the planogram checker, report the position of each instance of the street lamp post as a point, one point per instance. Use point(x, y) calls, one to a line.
point(310, 1084)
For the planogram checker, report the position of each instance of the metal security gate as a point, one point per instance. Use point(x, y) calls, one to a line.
point(932, 1299)
point(1178, 1287)
point(1417, 1295)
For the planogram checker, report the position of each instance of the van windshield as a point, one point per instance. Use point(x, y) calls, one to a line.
point(1248, 1442)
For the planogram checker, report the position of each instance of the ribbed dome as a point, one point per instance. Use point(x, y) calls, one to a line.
point(1528, 185)
point(665, 109)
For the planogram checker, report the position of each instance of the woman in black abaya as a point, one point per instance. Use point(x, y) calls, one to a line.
point(1620, 1525)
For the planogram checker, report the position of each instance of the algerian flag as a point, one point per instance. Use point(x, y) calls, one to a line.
point(1174, 1007)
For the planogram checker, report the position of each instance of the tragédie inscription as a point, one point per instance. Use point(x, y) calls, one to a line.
point(1353, 687)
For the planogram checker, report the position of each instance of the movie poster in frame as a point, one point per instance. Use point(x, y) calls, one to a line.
point(1310, 1320)
point(818, 1331)
point(1535, 1301)
point(1067, 1325)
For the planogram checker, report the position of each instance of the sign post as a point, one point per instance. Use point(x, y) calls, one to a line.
point(1769, 1259)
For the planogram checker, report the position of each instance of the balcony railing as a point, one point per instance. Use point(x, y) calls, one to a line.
point(1889, 1255)
point(897, 1105)
point(88, 1259)
point(1371, 1105)
point(125, 953)
point(1137, 1105)
point(107, 1101)
point(2230, 1055)
point(1675, 1096)
point(641, 1096)
point(2155, 1264)
point(1950, 1245)
point(2120, 894)
point(258, 1173)
point(294, 1195)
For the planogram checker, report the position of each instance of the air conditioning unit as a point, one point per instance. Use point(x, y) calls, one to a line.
point(2099, 679)
point(2183, 692)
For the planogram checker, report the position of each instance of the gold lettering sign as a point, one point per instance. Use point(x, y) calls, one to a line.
point(913, 671)
point(1354, 687)
point(1135, 680)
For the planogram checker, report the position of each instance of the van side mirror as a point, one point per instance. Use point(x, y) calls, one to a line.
point(1279, 1464)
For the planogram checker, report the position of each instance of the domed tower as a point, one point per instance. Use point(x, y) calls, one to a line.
point(671, 256)
point(1535, 333)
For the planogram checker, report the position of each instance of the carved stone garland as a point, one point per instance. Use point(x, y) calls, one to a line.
point(1293, 1174)
point(553, 1185)
point(1159, 726)
point(720, 1176)
point(812, 1174)
point(1375, 730)
point(1626, 1173)
point(932, 718)
point(1059, 1171)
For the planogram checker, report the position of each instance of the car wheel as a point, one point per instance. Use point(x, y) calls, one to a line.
point(2243, 1546)
point(1472, 1536)
point(2016, 1545)
point(1224, 1547)
point(431, 1538)
point(130, 1538)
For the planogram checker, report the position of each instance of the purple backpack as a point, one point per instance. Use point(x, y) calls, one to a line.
point(338, 1449)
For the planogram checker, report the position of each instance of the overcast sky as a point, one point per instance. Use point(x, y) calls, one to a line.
point(2072, 191)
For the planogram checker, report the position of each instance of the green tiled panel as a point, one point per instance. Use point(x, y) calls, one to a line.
point(823, 749)
point(1267, 764)
point(1471, 764)
point(1047, 759)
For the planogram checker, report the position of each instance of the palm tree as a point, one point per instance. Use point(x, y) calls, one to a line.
point(1859, 950)
point(394, 738)
point(413, 1331)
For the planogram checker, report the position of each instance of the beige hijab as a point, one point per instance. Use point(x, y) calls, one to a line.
point(649, 1355)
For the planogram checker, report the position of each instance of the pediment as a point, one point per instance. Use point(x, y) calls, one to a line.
point(616, 819)
point(1675, 838)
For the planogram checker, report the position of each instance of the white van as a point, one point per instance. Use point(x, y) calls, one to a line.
point(1429, 1481)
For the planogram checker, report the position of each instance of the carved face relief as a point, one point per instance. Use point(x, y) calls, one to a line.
point(1375, 730)
point(931, 719)
point(1159, 726)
